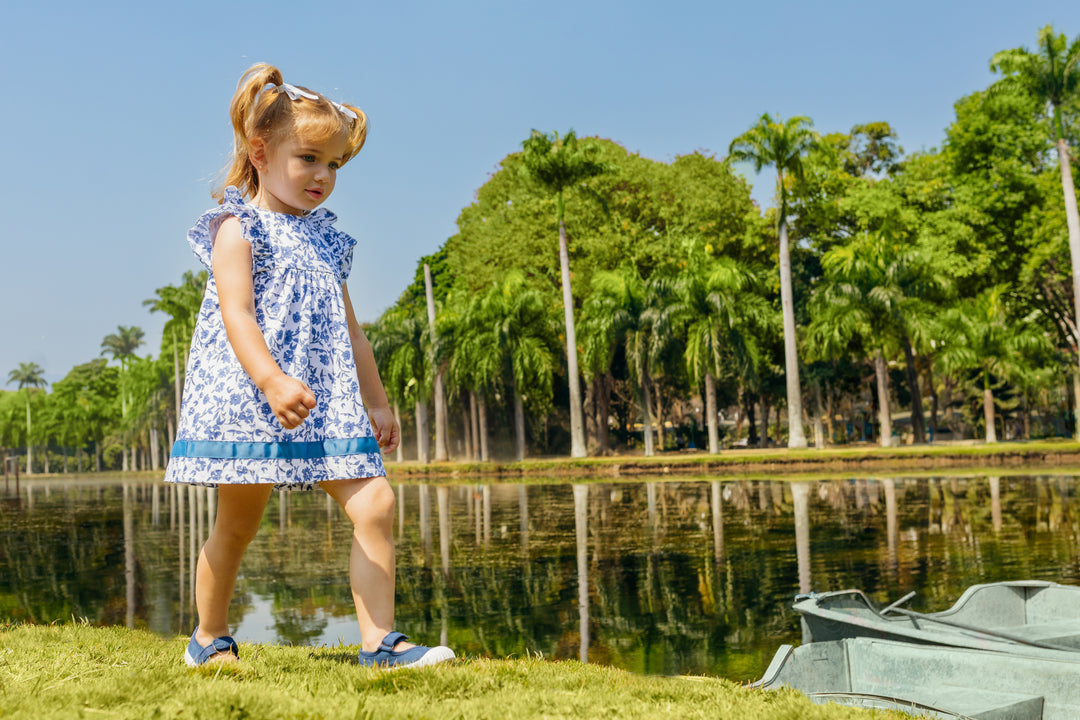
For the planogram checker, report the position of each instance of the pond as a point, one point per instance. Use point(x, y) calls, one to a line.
point(660, 577)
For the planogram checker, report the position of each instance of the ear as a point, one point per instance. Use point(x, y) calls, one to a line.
point(257, 153)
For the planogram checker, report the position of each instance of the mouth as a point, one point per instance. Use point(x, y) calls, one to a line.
point(315, 194)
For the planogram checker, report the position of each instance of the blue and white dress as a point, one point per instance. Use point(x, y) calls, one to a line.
point(227, 433)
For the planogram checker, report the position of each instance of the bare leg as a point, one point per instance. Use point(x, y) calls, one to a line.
point(239, 511)
point(369, 503)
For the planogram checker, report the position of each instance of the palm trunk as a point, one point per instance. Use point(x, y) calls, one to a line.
point(884, 416)
point(481, 411)
point(603, 411)
point(796, 435)
point(155, 450)
point(519, 424)
point(751, 433)
point(660, 440)
point(177, 385)
point(710, 413)
point(646, 415)
point(819, 412)
point(589, 418)
point(988, 409)
point(29, 446)
point(421, 433)
point(830, 429)
point(399, 454)
point(918, 425)
point(466, 424)
point(933, 399)
point(577, 427)
point(1072, 220)
point(441, 424)
point(474, 451)
point(765, 413)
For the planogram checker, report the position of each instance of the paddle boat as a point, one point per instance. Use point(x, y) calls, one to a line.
point(934, 681)
point(1033, 616)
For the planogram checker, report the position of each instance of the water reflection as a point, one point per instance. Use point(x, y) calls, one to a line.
point(657, 577)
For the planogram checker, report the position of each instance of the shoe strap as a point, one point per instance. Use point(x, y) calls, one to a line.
point(221, 644)
point(391, 640)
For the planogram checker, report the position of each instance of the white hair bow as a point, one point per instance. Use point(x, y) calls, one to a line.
point(296, 93)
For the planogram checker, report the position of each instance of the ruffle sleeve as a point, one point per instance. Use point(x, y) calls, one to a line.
point(346, 245)
point(201, 236)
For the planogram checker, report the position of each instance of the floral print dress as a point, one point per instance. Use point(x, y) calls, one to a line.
point(227, 433)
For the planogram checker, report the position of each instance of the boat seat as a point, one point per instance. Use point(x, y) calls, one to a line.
point(980, 704)
point(1061, 632)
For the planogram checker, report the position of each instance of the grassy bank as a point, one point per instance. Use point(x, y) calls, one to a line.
point(864, 458)
point(74, 670)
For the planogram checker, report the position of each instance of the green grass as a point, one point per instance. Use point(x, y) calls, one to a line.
point(1028, 454)
point(73, 670)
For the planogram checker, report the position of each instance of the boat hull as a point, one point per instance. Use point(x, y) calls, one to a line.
point(995, 616)
point(942, 682)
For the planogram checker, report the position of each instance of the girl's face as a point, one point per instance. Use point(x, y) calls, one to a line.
point(296, 175)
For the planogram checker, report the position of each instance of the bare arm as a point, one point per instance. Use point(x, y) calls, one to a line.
point(382, 418)
point(290, 399)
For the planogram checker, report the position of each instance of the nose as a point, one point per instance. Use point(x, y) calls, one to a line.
point(323, 173)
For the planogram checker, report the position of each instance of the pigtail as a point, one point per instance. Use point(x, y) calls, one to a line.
point(356, 129)
point(248, 96)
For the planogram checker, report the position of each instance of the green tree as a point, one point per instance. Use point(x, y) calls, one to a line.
point(400, 342)
point(562, 165)
point(978, 336)
point(29, 376)
point(521, 338)
point(636, 314)
point(182, 304)
point(718, 307)
point(122, 346)
point(86, 402)
point(876, 288)
point(1052, 75)
point(782, 144)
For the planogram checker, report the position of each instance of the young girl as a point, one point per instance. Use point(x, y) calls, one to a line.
point(281, 388)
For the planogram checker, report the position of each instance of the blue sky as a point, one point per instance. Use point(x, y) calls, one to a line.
point(115, 117)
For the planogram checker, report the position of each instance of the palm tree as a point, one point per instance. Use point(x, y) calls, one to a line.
point(400, 342)
point(889, 283)
point(876, 287)
point(560, 165)
point(979, 337)
point(521, 337)
point(781, 144)
point(28, 375)
point(719, 308)
point(1053, 76)
point(638, 315)
point(182, 304)
point(122, 346)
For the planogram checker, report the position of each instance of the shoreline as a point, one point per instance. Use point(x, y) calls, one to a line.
point(1007, 456)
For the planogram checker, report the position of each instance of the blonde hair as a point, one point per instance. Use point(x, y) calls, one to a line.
point(273, 115)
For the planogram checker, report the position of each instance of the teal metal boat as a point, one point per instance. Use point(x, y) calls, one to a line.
point(1029, 616)
point(934, 681)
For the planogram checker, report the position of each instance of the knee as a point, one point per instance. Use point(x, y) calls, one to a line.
point(233, 535)
point(374, 506)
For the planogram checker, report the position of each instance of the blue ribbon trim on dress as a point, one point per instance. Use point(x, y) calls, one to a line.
point(274, 450)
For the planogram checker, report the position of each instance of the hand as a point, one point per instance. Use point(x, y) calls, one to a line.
point(386, 428)
point(290, 399)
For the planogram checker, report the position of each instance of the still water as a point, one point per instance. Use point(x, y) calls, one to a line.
point(663, 577)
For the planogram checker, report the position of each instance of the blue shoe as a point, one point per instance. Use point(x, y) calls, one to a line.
point(418, 656)
point(197, 654)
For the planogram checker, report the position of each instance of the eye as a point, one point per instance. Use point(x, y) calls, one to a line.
point(308, 158)
point(334, 165)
